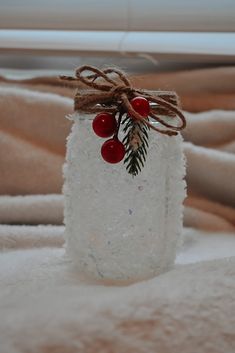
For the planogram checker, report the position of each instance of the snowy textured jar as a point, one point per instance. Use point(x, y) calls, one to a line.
point(120, 228)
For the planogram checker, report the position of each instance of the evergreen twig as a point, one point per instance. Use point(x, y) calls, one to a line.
point(136, 143)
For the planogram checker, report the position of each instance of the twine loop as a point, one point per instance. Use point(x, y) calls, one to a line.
point(110, 90)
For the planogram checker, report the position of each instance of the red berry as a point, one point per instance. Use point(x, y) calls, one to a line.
point(113, 151)
point(141, 106)
point(104, 125)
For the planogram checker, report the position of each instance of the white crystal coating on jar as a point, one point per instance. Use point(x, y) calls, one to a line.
point(121, 228)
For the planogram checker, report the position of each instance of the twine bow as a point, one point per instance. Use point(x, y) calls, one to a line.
point(112, 91)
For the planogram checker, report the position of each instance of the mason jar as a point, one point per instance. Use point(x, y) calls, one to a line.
point(119, 228)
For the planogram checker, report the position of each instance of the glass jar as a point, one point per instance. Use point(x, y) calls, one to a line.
point(119, 228)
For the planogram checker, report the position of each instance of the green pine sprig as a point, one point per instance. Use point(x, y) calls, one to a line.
point(136, 144)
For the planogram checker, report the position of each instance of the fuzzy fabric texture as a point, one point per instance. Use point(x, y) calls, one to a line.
point(31, 209)
point(29, 236)
point(44, 306)
point(35, 135)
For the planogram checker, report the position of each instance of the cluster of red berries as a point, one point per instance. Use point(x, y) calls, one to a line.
point(105, 125)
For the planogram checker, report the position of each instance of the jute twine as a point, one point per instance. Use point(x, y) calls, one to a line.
point(110, 90)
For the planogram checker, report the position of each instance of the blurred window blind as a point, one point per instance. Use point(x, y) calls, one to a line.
point(168, 27)
point(122, 15)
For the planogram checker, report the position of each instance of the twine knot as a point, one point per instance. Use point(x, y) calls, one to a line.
point(116, 91)
point(110, 90)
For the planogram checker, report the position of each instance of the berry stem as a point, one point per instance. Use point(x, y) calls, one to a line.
point(115, 136)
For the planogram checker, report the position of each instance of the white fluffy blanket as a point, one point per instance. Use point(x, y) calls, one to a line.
point(45, 307)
